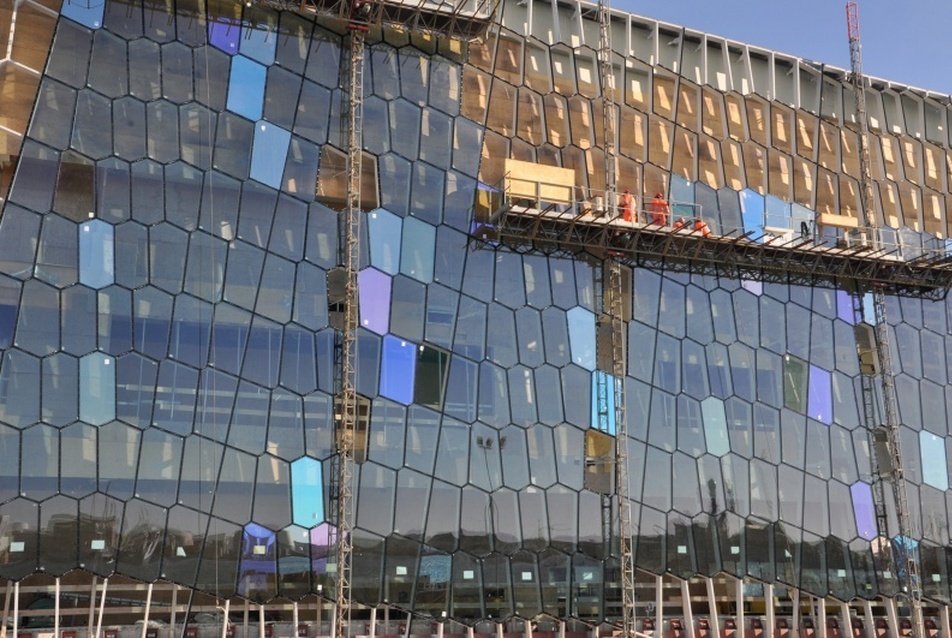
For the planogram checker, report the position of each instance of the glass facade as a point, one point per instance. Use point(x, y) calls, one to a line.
point(171, 293)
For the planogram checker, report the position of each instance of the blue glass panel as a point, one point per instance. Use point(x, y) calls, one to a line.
point(307, 492)
point(384, 228)
point(715, 426)
point(844, 306)
point(707, 208)
point(752, 212)
point(175, 397)
point(820, 397)
point(246, 87)
point(863, 510)
point(398, 369)
point(935, 470)
point(85, 12)
point(374, 289)
point(582, 336)
point(416, 258)
point(97, 388)
point(269, 153)
point(259, 43)
point(224, 34)
point(607, 422)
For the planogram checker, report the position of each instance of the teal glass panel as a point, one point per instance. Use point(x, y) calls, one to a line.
point(307, 492)
point(384, 228)
point(97, 388)
point(752, 212)
point(416, 255)
point(85, 12)
point(603, 403)
point(397, 369)
point(96, 254)
point(246, 87)
point(715, 426)
point(582, 336)
point(269, 153)
point(935, 469)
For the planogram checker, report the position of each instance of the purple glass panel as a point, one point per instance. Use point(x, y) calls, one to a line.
point(820, 397)
point(224, 34)
point(397, 369)
point(374, 290)
point(844, 306)
point(863, 510)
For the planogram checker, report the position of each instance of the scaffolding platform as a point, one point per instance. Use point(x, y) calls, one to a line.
point(563, 228)
point(461, 19)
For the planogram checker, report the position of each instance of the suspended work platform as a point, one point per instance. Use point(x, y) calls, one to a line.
point(539, 211)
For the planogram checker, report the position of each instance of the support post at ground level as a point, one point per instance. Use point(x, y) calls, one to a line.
point(892, 616)
point(739, 597)
point(712, 605)
point(821, 621)
point(686, 609)
point(659, 605)
point(868, 621)
point(770, 611)
point(56, 607)
point(148, 609)
point(944, 620)
point(226, 621)
point(102, 607)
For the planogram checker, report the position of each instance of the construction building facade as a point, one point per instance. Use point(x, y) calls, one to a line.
point(171, 300)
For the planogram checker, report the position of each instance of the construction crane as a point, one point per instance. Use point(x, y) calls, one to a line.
point(886, 451)
point(609, 287)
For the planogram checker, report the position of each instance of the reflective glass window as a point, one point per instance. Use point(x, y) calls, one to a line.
point(135, 388)
point(57, 255)
point(205, 267)
point(53, 114)
point(243, 275)
point(934, 466)
point(216, 396)
point(183, 192)
point(167, 250)
point(461, 389)
point(752, 212)
point(148, 196)
point(61, 387)
point(269, 151)
point(715, 426)
point(407, 308)
point(432, 367)
point(581, 332)
point(96, 253)
point(820, 402)
point(493, 395)
point(196, 127)
point(398, 368)
point(421, 438)
point(232, 496)
point(78, 471)
point(298, 364)
point(384, 230)
point(175, 397)
point(190, 331)
point(224, 32)
point(38, 322)
point(246, 87)
point(416, 256)
point(262, 357)
point(276, 291)
point(395, 183)
point(162, 131)
point(310, 295)
point(313, 111)
point(233, 142)
point(78, 319)
point(97, 388)
point(159, 467)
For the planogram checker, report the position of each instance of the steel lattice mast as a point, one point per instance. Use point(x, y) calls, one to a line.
point(886, 436)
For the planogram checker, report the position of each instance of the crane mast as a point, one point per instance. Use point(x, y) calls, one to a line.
point(349, 248)
point(884, 437)
point(609, 286)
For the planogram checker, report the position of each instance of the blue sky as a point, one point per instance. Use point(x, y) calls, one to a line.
point(909, 42)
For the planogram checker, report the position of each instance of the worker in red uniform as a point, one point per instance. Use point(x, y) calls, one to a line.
point(659, 210)
point(626, 204)
point(701, 226)
point(679, 223)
